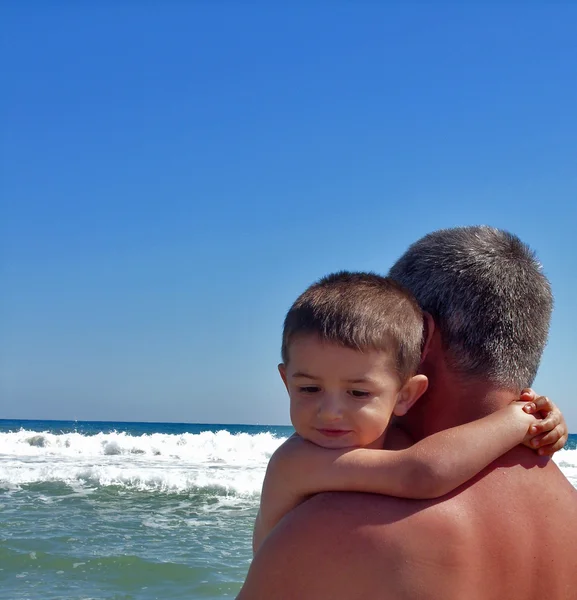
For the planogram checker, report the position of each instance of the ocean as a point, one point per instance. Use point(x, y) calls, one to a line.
point(123, 511)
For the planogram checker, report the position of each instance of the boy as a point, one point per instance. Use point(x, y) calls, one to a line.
point(351, 348)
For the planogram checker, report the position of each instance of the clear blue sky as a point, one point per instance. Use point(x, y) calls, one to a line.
point(174, 174)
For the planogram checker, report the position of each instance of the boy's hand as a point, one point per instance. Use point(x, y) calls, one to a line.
point(550, 433)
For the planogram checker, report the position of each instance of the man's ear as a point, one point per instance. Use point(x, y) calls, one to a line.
point(282, 371)
point(410, 393)
point(429, 329)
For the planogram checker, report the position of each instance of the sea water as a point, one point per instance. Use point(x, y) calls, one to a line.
point(134, 510)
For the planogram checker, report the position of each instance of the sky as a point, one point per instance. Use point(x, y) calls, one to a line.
point(174, 174)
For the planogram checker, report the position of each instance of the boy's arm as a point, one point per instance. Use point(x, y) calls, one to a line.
point(278, 496)
point(429, 469)
point(259, 532)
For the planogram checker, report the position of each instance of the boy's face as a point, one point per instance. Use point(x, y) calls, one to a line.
point(339, 397)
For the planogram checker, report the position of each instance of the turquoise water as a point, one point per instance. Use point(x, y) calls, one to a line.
point(128, 510)
point(134, 510)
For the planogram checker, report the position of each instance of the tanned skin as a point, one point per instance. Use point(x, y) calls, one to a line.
point(509, 533)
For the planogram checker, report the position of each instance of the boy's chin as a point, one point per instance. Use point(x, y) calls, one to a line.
point(334, 443)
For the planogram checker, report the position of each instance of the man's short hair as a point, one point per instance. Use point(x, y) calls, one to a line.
point(362, 311)
point(488, 295)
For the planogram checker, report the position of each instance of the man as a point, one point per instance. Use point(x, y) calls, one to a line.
point(511, 532)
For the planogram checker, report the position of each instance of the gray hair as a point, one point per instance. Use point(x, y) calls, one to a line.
point(487, 293)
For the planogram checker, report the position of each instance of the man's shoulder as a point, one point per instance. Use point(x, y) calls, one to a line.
point(347, 545)
point(394, 522)
point(397, 438)
point(378, 538)
point(404, 532)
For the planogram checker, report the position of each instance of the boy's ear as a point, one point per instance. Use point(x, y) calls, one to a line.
point(282, 371)
point(410, 393)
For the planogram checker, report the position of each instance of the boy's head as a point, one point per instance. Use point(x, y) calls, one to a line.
point(351, 347)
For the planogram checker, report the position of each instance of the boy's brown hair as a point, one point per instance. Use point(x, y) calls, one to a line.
point(362, 311)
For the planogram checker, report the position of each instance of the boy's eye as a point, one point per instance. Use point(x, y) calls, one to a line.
point(309, 389)
point(359, 394)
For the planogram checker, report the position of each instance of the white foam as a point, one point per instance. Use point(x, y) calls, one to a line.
point(567, 462)
point(210, 460)
point(220, 461)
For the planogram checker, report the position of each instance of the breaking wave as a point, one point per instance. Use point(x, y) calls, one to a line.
point(211, 461)
point(232, 463)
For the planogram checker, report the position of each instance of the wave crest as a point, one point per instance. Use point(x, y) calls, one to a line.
point(217, 462)
point(220, 461)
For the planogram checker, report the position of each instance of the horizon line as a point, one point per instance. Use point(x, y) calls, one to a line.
point(149, 422)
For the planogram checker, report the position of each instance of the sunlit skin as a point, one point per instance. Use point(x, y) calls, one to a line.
point(483, 541)
point(343, 398)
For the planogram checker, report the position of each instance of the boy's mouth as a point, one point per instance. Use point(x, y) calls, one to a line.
point(334, 432)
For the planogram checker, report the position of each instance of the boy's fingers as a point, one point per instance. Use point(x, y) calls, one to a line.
point(558, 445)
point(528, 394)
point(544, 425)
point(542, 403)
point(552, 419)
point(548, 438)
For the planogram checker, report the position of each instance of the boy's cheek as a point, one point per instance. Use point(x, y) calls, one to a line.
point(295, 414)
point(299, 416)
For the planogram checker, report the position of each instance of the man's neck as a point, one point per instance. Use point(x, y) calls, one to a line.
point(452, 400)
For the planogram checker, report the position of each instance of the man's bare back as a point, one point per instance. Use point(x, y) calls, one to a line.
point(509, 534)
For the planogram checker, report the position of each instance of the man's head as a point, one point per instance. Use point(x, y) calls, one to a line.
point(351, 347)
point(488, 297)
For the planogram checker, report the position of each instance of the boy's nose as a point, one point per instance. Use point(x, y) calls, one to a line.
point(330, 408)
